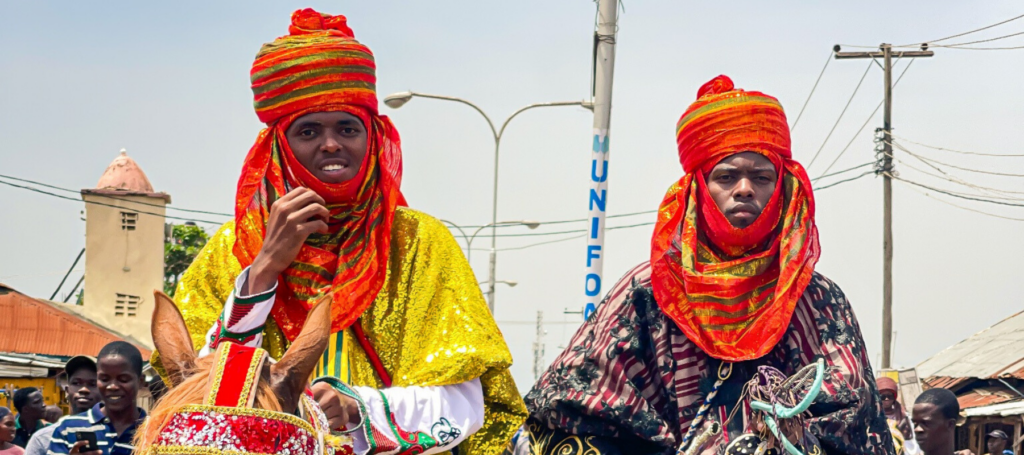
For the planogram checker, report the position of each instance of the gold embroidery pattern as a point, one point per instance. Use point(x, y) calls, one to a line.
point(218, 375)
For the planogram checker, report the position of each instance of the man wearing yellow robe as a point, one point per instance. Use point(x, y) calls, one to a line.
point(416, 363)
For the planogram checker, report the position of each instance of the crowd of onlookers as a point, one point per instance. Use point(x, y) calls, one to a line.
point(101, 392)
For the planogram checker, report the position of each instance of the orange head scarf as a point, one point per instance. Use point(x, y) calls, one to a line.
point(732, 290)
point(318, 67)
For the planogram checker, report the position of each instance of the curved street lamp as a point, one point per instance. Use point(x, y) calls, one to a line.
point(397, 100)
point(469, 238)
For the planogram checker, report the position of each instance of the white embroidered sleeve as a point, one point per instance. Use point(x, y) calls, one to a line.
point(243, 318)
point(416, 419)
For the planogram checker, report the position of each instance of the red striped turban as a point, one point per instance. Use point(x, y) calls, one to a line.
point(319, 66)
point(733, 290)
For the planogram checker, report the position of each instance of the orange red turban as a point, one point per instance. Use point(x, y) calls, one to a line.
point(732, 290)
point(319, 66)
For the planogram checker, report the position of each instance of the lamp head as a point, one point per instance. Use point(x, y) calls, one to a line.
point(397, 100)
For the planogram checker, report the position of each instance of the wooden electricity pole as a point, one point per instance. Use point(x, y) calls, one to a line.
point(886, 54)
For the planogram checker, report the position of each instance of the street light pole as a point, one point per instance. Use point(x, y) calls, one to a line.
point(397, 100)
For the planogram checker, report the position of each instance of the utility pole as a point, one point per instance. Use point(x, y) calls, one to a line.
point(538, 347)
point(604, 66)
point(885, 168)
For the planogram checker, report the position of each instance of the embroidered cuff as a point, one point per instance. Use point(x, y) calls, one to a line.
point(223, 334)
point(251, 299)
point(344, 389)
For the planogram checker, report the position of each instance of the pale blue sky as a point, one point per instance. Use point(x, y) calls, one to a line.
point(170, 83)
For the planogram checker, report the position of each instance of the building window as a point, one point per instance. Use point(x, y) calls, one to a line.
point(129, 220)
point(127, 305)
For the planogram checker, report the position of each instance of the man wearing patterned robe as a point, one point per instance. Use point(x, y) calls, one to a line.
point(415, 363)
point(730, 288)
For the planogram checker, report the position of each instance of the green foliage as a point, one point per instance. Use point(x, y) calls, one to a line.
point(179, 252)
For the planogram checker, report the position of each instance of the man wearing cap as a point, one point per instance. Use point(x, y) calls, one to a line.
point(998, 443)
point(80, 390)
point(319, 213)
point(730, 289)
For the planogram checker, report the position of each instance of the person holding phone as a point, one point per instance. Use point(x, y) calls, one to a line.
point(108, 428)
point(80, 390)
point(7, 432)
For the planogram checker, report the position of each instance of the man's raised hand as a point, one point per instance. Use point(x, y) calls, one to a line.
point(293, 218)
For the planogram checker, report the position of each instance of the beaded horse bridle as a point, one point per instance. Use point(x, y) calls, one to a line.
point(227, 424)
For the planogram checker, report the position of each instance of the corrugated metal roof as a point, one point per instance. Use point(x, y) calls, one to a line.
point(35, 326)
point(985, 396)
point(1001, 409)
point(997, 351)
point(946, 382)
point(31, 360)
point(27, 365)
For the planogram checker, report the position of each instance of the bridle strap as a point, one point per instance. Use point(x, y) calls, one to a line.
point(234, 376)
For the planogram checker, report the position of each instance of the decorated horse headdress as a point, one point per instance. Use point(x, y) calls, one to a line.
point(233, 401)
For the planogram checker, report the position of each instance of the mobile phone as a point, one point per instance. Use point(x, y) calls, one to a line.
point(87, 436)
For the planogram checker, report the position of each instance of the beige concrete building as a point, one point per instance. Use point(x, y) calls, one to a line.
point(124, 249)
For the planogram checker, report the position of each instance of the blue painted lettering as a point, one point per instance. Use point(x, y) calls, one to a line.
point(599, 201)
point(593, 171)
point(595, 289)
point(593, 252)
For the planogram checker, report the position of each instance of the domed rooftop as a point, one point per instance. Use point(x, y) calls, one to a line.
point(124, 174)
point(125, 177)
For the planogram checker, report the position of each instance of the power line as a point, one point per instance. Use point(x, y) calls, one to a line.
point(830, 185)
point(979, 171)
point(986, 48)
point(956, 195)
point(947, 176)
point(579, 236)
point(870, 163)
point(574, 231)
point(112, 197)
point(852, 95)
point(809, 95)
point(36, 190)
point(954, 179)
point(535, 322)
point(964, 33)
point(545, 223)
point(903, 139)
point(955, 45)
point(923, 193)
point(848, 144)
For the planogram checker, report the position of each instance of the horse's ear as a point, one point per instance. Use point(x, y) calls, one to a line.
point(290, 375)
point(171, 338)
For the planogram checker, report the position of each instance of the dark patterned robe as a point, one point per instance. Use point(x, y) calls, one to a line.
point(630, 381)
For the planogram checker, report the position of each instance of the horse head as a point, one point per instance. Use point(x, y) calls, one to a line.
point(235, 398)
